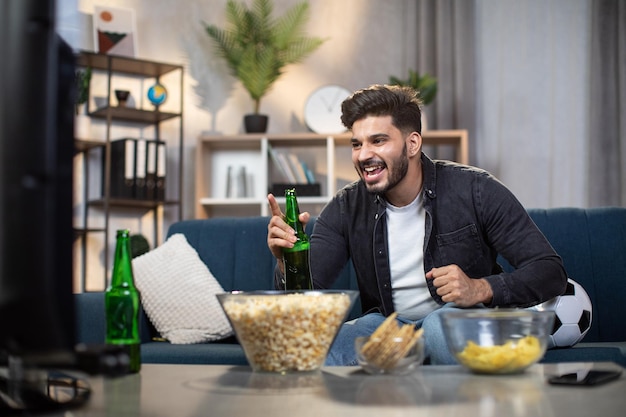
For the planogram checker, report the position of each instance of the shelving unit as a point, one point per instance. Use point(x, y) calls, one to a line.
point(138, 71)
point(215, 153)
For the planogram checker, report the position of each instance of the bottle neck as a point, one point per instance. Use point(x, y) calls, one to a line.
point(292, 214)
point(122, 274)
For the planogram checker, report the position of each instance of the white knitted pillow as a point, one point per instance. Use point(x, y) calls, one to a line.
point(178, 293)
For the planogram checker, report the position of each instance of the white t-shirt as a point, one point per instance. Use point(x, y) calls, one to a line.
point(405, 230)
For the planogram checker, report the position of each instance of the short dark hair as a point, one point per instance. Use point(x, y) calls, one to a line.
point(402, 103)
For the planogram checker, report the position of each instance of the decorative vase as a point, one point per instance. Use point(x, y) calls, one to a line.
point(255, 123)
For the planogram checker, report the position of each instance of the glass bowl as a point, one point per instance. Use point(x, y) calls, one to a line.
point(497, 341)
point(287, 331)
point(386, 362)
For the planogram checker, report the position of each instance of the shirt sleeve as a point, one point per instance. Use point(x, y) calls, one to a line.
point(538, 274)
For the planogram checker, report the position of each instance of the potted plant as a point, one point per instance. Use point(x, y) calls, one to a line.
point(138, 245)
point(257, 46)
point(425, 85)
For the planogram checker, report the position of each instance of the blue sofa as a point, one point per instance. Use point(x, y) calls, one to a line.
point(592, 243)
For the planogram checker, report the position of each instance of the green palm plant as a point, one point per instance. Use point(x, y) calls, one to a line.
point(257, 46)
point(425, 84)
point(82, 79)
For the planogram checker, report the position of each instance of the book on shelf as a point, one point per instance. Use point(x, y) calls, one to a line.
point(310, 176)
point(292, 170)
point(296, 167)
point(282, 164)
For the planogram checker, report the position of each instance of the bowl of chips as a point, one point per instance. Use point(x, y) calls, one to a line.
point(393, 348)
point(286, 331)
point(497, 341)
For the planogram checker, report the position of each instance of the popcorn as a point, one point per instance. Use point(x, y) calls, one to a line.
point(287, 332)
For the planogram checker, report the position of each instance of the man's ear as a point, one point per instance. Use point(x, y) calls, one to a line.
point(414, 144)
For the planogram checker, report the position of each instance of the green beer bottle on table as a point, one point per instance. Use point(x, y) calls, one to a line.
point(122, 303)
point(296, 259)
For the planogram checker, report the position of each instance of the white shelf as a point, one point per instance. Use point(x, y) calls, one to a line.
point(215, 153)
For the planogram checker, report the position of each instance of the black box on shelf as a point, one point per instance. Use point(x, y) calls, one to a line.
point(302, 190)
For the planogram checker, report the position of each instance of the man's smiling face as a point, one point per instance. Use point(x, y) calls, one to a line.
point(379, 153)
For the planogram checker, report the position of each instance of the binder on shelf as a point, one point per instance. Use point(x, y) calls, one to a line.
point(123, 164)
point(151, 163)
point(160, 171)
point(140, 171)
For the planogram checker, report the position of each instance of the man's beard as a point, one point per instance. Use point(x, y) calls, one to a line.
point(395, 173)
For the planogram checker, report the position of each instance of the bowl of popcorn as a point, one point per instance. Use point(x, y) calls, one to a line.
point(393, 348)
point(497, 341)
point(287, 331)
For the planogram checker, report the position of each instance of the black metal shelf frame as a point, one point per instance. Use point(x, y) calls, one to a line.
point(120, 65)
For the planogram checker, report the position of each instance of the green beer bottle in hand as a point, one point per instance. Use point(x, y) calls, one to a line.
point(122, 303)
point(296, 259)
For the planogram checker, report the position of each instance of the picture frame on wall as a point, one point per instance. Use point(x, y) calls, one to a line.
point(115, 31)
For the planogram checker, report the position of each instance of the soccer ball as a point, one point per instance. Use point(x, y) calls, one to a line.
point(572, 315)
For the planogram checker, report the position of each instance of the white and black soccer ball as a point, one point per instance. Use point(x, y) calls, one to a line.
point(572, 315)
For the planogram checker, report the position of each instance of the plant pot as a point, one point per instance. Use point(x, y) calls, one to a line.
point(82, 126)
point(255, 123)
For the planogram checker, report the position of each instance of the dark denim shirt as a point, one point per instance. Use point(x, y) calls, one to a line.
point(471, 217)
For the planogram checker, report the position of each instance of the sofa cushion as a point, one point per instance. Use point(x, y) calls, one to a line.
point(178, 293)
point(234, 248)
point(589, 352)
point(215, 353)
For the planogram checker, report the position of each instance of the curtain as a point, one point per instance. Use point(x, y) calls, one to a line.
point(607, 105)
point(541, 88)
point(446, 50)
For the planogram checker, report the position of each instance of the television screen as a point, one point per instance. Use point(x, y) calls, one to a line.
point(36, 151)
point(36, 235)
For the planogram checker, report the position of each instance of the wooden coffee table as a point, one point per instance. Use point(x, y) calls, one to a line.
point(216, 390)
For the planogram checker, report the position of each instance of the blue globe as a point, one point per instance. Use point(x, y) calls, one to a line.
point(157, 94)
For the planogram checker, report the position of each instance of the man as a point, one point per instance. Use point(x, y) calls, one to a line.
point(423, 235)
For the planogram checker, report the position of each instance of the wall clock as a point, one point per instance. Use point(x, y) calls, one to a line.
point(322, 111)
